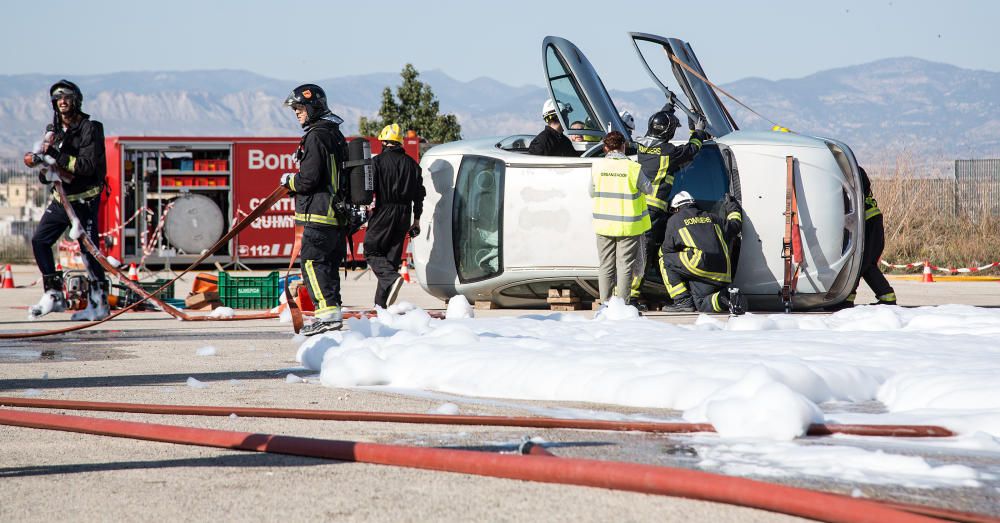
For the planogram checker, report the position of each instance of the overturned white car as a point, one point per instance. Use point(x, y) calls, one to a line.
point(505, 226)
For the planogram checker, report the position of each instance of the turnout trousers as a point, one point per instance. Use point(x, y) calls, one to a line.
point(52, 225)
point(870, 254)
point(652, 240)
point(709, 295)
point(387, 230)
point(322, 250)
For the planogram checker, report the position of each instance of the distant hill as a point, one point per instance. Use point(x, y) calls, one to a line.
point(880, 108)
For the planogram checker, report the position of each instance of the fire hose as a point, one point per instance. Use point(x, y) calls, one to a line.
point(88, 244)
point(648, 479)
point(816, 429)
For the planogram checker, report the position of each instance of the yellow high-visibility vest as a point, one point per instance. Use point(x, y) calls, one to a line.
point(619, 206)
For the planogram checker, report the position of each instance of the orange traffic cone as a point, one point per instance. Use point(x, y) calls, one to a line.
point(132, 273)
point(928, 275)
point(8, 278)
point(404, 271)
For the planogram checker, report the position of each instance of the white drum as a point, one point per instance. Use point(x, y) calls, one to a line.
point(194, 223)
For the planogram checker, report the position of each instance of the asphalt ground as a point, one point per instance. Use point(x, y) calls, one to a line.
point(147, 357)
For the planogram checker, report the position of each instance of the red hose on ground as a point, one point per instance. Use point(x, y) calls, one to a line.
point(592, 473)
point(817, 429)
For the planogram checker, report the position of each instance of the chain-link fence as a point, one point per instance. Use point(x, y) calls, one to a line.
point(977, 188)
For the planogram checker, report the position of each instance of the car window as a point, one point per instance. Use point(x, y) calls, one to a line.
point(568, 94)
point(706, 177)
point(477, 218)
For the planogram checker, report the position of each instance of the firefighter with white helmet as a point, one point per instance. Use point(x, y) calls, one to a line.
point(399, 192)
point(695, 257)
point(551, 141)
point(74, 150)
point(319, 188)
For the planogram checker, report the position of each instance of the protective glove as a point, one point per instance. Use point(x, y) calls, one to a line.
point(701, 124)
point(48, 176)
point(52, 151)
point(286, 180)
point(414, 231)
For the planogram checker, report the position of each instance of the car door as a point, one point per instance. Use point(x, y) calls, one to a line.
point(585, 107)
point(659, 54)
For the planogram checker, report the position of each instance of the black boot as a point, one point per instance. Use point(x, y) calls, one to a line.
point(682, 303)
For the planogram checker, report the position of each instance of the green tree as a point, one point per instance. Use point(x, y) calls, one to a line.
point(413, 107)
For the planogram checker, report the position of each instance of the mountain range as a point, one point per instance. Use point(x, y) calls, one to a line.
point(883, 108)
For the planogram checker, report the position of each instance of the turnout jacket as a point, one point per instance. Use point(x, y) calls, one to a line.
point(700, 241)
point(551, 142)
point(661, 159)
point(871, 206)
point(399, 188)
point(321, 154)
point(81, 153)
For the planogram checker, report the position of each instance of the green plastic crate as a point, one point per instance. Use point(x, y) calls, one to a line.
point(249, 292)
point(128, 297)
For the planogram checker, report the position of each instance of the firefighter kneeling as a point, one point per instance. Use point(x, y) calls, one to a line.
point(694, 259)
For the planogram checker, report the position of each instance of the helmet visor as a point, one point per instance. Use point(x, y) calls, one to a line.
point(63, 92)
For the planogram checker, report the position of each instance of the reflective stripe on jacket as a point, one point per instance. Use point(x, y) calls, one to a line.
point(701, 241)
point(660, 160)
point(871, 208)
point(619, 205)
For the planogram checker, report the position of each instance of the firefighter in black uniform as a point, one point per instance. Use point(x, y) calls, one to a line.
point(399, 190)
point(551, 141)
point(319, 194)
point(76, 154)
point(660, 160)
point(871, 251)
point(694, 258)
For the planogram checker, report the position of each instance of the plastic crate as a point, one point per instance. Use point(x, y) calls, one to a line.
point(249, 292)
point(127, 297)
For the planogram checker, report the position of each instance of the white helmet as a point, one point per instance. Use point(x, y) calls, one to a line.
point(627, 119)
point(681, 198)
point(549, 108)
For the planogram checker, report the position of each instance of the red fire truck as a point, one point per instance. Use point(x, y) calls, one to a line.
point(172, 197)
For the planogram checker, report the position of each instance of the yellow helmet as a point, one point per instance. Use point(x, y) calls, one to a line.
point(391, 133)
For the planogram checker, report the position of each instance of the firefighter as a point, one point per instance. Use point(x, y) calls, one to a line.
point(551, 141)
point(871, 251)
point(660, 161)
point(694, 258)
point(75, 153)
point(620, 216)
point(399, 190)
point(319, 203)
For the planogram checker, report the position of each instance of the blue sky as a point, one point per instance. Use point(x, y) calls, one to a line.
point(304, 41)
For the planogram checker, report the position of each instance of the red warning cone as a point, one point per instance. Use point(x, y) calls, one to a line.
point(8, 278)
point(404, 271)
point(132, 273)
point(59, 267)
point(928, 275)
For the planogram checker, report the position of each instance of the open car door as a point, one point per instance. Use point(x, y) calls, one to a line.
point(585, 107)
point(702, 99)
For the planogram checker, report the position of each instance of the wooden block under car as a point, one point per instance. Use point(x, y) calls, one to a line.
point(570, 307)
point(208, 306)
point(199, 299)
point(484, 305)
point(562, 300)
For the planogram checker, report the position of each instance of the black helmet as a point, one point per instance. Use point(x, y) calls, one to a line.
point(312, 97)
point(64, 88)
point(663, 124)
